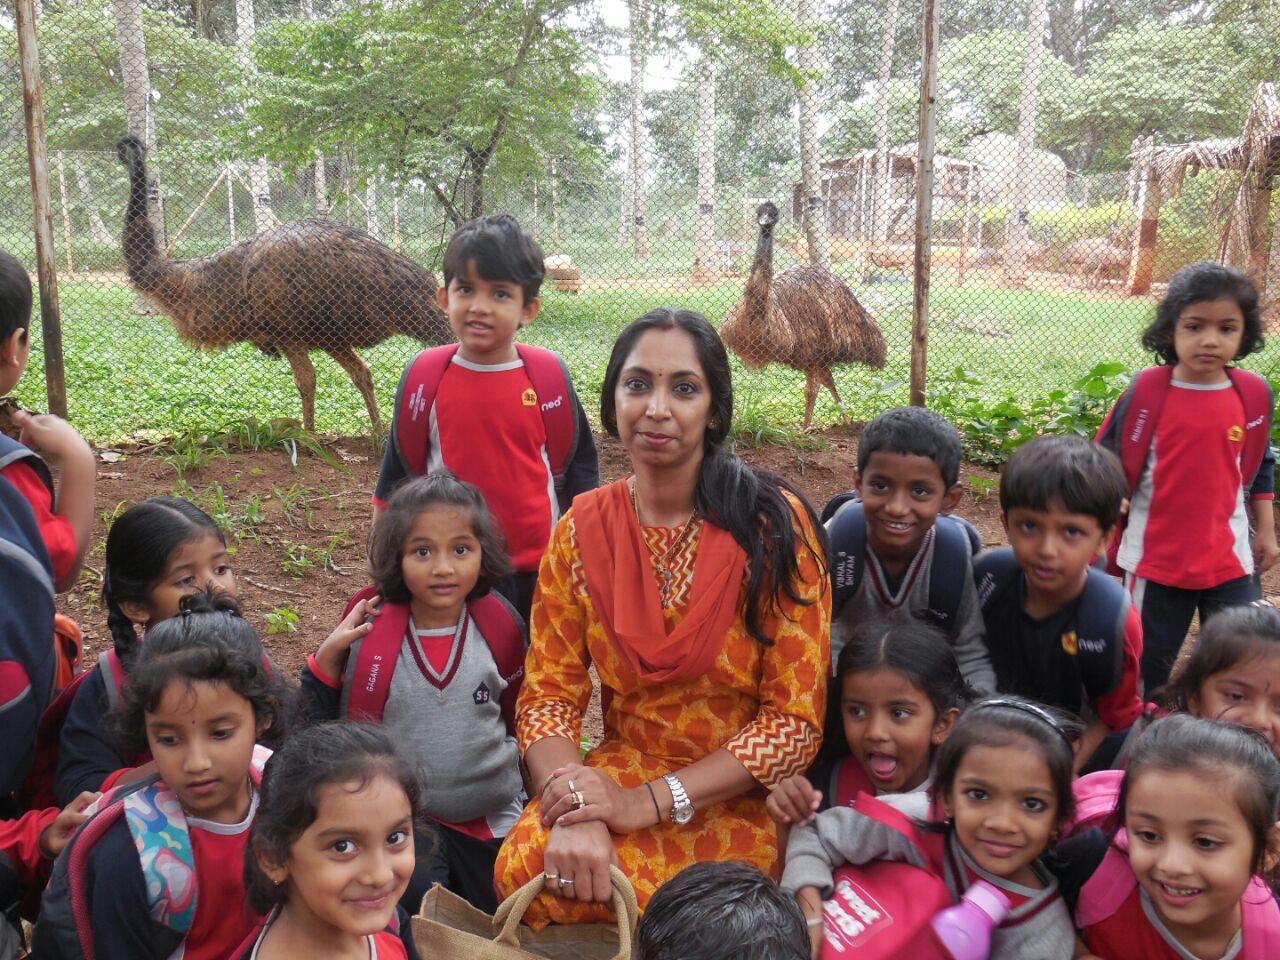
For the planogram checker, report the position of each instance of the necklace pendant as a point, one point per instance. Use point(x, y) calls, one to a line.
point(667, 575)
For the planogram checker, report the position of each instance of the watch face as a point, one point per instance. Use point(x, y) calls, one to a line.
point(683, 813)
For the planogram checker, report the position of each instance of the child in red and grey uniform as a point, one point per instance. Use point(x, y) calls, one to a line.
point(1186, 545)
point(485, 423)
point(65, 521)
point(1061, 632)
point(331, 851)
point(450, 699)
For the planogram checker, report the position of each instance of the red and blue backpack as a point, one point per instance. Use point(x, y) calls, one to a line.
point(162, 838)
point(547, 374)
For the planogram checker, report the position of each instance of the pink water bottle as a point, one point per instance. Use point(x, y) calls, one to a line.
point(964, 930)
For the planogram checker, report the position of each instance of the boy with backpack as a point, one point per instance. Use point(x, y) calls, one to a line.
point(1060, 630)
point(65, 521)
point(498, 414)
point(895, 557)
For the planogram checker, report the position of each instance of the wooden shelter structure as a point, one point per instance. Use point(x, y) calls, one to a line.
point(1247, 207)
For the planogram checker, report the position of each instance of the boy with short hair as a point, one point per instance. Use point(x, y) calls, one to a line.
point(65, 520)
point(893, 557)
point(1061, 631)
point(500, 415)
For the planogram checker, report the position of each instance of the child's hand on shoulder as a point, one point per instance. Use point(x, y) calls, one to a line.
point(1265, 549)
point(50, 436)
point(356, 624)
point(55, 836)
point(793, 801)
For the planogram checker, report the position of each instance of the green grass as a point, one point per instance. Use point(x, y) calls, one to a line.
point(131, 377)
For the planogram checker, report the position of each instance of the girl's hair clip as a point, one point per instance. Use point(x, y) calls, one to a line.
point(1035, 710)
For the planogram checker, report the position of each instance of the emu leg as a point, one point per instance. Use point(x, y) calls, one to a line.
point(350, 361)
point(304, 375)
point(829, 382)
point(810, 397)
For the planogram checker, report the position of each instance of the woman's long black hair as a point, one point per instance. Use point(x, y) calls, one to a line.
point(747, 502)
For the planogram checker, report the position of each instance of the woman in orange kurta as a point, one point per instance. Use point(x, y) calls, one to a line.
point(698, 590)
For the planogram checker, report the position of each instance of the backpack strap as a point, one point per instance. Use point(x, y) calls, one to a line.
point(375, 660)
point(1146, 399)
point(417, 392)
point(930, 846)
point(1255, 397)
point(1260, 921)
point(106, 812)
point(1096, 797)
point(1102, 612)
point(954, 545)
point(835, 503)
point(1106, 891)
point(994, 572)
point(847, 550)
point(11, 451)
point(504, 632)
point(557, 402)
point(848, 782)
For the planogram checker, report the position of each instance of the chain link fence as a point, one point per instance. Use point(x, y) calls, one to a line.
point(306, 162)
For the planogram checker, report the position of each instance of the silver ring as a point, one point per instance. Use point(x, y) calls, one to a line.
point(572, 788)
point(578, 802)
point(563, 882)
point(552, 876)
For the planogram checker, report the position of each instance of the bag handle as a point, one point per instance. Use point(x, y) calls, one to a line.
point(511, 911)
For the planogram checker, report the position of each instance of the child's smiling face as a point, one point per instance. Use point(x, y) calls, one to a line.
point(902, 495)
point(1192, 851)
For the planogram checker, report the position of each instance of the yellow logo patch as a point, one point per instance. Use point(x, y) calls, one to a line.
point(1235, 432)
point(1071, 643)
point(529, 397)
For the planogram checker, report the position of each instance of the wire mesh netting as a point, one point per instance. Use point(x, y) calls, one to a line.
point(273, 234)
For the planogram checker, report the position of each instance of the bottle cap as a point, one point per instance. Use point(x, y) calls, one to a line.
point(989, 899)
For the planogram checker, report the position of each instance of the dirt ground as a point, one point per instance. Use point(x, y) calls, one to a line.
point(299, 531)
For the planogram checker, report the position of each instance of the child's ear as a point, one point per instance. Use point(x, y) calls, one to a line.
point(442, 297)
point(952, 496)
point(277, 873)
point(1004, 524)
point(857, 481)
point(11, 346)
point(529, 311)
point(1105, 545)
point(136, 611)
point(1271, 856)
point(943, 726)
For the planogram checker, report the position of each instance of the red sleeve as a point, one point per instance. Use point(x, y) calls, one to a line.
point(59, 538)
point(20, 843)
point(1123, 704)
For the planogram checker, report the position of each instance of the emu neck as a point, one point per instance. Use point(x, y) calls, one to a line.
point(762, 268)
point(141, 249)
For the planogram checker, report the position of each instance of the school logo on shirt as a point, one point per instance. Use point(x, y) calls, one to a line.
point(1235, 433)
point(529, 398)
point(481, 695)
point(1071, 643)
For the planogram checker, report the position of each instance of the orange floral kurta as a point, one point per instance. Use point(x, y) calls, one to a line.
point(764, 704)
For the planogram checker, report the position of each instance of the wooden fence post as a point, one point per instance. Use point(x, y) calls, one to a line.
point(38, 161)
point(924, 201)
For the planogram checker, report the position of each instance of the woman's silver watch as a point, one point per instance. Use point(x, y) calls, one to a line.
point(682, 807)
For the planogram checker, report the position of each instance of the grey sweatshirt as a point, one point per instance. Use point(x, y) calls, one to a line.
point(1038, 929)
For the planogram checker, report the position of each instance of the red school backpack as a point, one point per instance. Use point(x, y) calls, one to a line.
point(881, 910)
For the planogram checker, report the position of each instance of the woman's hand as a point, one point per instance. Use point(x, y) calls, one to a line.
point(794, 801)
point(577, 794)
point(354, 625)
point(577, 860)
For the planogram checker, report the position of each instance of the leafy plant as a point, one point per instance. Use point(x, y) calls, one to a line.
point(293, 502)
point(282, 620)
point(325, 554)
point(254, 434)
point(297, 559)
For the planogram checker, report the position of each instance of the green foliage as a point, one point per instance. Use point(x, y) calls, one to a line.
point(282, 620)
point(297, 559)
point(993, 427)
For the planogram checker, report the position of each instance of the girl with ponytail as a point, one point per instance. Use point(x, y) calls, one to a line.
point(697, 588)
point(158, 552)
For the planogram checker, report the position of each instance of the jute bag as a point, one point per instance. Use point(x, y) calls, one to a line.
point(449, 928)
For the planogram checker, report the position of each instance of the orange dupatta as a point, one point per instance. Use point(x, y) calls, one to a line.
point(622, 589)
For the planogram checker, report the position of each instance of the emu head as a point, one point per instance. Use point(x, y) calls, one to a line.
point(130, 150)
point(766, 215)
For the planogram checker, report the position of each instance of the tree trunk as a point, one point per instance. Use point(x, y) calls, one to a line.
point(624, 195)
point(371, 208)
point(1015, 261)
point(882, 188)
point(555, 205)
point(319, 182)
point(704, 248)
point(97, 229)
point(637, 30)
point(259, 183)
point(810, 173)
point(136, 79)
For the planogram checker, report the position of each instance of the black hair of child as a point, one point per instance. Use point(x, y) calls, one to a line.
point(441, 489)
point(309, 761)
point(1233, 635)
point(15, 296)
point(1221, 753)
point(1085, 478)
point(917, 651)
point(138, 547)
point(208, 642)
point(499, 251)
point(1196, 283)
point(747, 502)
point(721, 910)
point(913, 431)
point(1007, 721)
